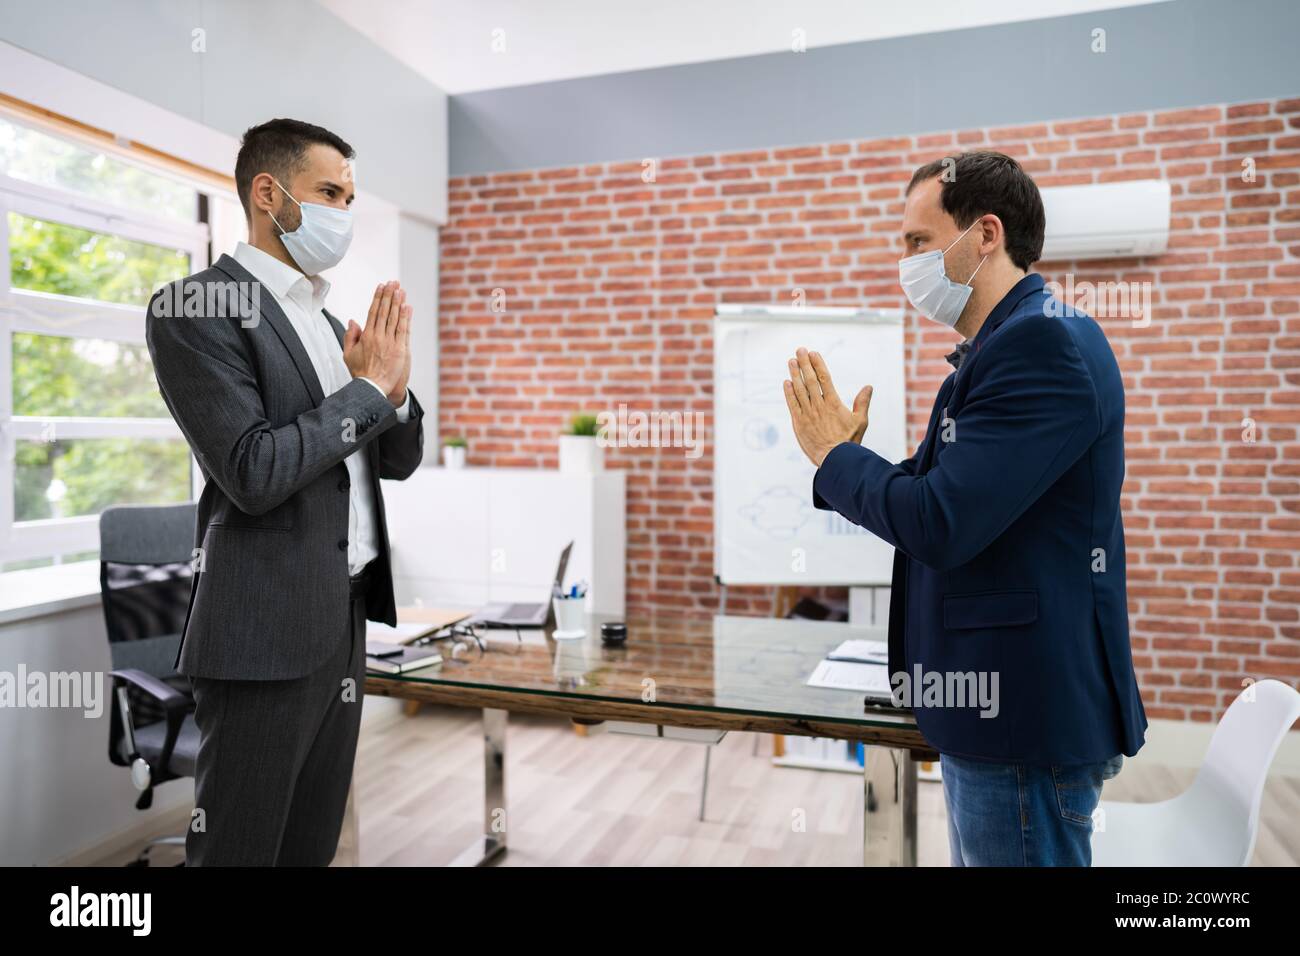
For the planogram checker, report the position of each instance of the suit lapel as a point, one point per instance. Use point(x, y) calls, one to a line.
point(278, 321)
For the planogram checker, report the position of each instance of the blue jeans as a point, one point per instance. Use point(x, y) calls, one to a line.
point(1011, 814)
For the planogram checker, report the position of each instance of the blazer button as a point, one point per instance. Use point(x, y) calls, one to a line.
point(343, 545)
point(344, 485)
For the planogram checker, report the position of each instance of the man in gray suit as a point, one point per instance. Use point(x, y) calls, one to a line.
point(293, 420)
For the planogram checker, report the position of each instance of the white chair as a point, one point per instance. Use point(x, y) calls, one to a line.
point(1215, 821)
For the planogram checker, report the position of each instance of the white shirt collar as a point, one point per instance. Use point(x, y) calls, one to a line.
point(278, 277)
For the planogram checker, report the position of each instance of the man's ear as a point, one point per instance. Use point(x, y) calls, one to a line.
point(992, 235)
point(261, 193)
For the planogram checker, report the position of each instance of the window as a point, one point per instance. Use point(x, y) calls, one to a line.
point(87, 237)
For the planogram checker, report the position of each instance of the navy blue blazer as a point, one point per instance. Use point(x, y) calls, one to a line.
point(1009, 545)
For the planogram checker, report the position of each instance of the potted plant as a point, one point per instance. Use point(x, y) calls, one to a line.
point(453, 451)
point(579, 449)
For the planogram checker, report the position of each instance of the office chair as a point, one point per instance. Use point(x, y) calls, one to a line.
point(145, 573)
point(1215, 821)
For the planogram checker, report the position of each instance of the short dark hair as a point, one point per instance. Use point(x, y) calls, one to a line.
point(982, 182)
point(278, 147)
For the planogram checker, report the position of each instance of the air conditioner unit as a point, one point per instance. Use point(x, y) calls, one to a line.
point(1106, 220)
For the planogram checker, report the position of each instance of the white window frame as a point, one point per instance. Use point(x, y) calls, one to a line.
point(47, 314)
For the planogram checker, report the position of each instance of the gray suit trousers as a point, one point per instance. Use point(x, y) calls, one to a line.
point(275, 761)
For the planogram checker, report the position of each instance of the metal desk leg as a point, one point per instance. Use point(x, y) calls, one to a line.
point(492, 843)
point(704, 784)
point(889, 808)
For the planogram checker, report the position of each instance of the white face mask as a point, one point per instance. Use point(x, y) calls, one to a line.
point(926, 284)
point(321, 239)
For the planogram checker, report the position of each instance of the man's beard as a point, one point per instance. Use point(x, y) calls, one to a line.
point(290, 218)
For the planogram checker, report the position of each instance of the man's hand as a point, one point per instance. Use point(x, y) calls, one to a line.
point(381, 351)
point(819, 417)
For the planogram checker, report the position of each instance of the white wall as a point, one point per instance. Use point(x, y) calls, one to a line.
point(252, 61)
point(419, 273)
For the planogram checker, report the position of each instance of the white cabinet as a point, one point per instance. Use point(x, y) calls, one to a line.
point(469, 536)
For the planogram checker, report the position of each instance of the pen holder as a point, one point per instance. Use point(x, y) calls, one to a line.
point(570, 614)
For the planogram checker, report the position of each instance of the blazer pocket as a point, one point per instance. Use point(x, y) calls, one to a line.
point(986, 609)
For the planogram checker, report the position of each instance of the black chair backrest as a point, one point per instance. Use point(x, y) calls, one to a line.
point(145, 572)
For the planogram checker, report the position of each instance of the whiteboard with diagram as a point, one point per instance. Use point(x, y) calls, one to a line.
point(766, 530)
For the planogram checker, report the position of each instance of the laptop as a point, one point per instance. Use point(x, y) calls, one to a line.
point(524, 615)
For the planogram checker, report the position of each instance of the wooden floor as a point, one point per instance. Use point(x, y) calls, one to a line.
point(614, 800)
point(608, 799)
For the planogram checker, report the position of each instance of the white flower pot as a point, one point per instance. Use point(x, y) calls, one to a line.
point(453, 456)
point(581, 454)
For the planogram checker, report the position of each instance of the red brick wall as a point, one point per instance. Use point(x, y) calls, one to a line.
point(609, 286)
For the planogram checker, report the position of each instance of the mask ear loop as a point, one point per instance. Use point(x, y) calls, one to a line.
point(962, 236)
point(982, 261)
point(287, 193)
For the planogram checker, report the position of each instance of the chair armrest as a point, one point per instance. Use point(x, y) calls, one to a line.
point(175, 706)
point(159, 690)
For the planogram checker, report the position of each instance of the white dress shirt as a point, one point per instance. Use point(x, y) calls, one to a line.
point(302, 298)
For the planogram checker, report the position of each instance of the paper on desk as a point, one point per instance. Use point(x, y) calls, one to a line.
point(863, 652)
point(436, 616)
point(843, 675)
point(403, 633)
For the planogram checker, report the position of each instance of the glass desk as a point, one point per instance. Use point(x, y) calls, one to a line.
point(720, 674)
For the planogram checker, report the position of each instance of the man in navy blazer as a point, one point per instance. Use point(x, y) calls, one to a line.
point(1009, 562)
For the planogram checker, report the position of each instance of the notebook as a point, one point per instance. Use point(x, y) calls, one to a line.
point(406, 660)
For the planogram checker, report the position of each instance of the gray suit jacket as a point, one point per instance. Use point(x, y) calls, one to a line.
point(270, 593)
